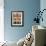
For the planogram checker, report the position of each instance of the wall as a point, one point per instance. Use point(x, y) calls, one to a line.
point(43, 6)
point(29, 7)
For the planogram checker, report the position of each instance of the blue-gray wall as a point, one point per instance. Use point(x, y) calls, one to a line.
point(30, 7)
point(43, 6)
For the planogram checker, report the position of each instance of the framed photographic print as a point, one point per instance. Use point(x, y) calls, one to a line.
point(17, 18)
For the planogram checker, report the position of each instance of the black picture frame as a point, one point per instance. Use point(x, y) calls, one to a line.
point(17, 18)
